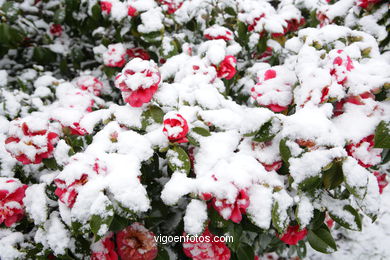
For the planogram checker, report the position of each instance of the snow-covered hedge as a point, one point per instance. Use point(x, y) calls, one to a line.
point(120, 120)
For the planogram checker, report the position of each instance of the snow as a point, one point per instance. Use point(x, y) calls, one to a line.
point(35, 203)
point(195, 217)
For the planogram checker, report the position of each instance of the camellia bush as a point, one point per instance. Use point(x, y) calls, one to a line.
point(121, 121)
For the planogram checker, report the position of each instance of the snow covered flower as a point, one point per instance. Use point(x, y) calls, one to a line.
point(273, 166)
point(217, 32)
point(206, 248)
point(171, 6)
point(175, 127)
point(67, 194)
point(273, 89)
point(138, 53)
point(232, 211)
point(138, 81)
point(364, 152)
point(293, 235)
point(67, 191)
point(294, 24)
point(30, 140)
point(341, 65)
point(227, 68)
point(115, 56)
point(382, 182)
point(90, 84)
point(105, 6)
point(11, 200)
point(136, 243)
point(56, 30)
point(104, 249)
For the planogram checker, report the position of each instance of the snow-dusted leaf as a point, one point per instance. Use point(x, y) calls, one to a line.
point(382, 135)
point(178, 159)
point(321, 240)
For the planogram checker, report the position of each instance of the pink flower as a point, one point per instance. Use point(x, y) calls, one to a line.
point(341, 65)
point(138, 81)
point(131, 11)
point(206, 248)
point(293, 235)
point(104, 249)
point(136, 243)
point(68, 192)
point(138, 53)
point(356, 100)
point(171, 5)
point(217, 32)
point(232, 211)
point(364, 152)
point(74, 129)
point(273, 166)
point(227, 68)
point(175, 127)
point(105, 7)
point(56, 30)
point(382, 182)
point(90, 83)
point(273, 89)
point(367, 4)
point(115, 56)
point(30, 140)
point(252, 25)
point(11, 200)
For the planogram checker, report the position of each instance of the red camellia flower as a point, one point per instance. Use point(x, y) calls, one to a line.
point(67, 192)
point(136, 243)
point(382, 182)
point(273, 166)
point(115, 56)
point(30, 140)
point(104, 249)
point(341, 65)
point(90, 84)
point(293, 235)
point(171, 5)
point(364, 152)
point(56, 30)
point(11, 200)
point(227, 68)
point(175, 127)
point(105, 7)
point(138, 53)
point(138, 81)
point(273, 89)
point(356, 100)
point(131, 11)
point(367, 4)
point(232, 211)
point(217, 32)
point(205, 247)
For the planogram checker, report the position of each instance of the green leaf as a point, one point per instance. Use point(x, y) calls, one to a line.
point(333, 177)
point(285, 152)
point(265, 133)
point(382, 135)
point(245, 252)
point(59, 16)
point(356, 225)
point(43, 55)
point(230, 10)
point(321, 240)
point(97, 221)
point(152, 114)
point(119, 223)
point(318, 219)
point(178, 159)
point(162, 254)
point(201, 131)
point(310, 184)
point(276, 222)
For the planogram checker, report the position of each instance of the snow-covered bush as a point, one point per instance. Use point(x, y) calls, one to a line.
point(123, 120)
